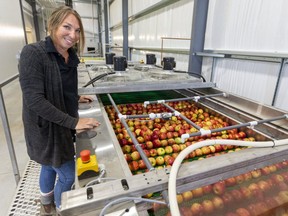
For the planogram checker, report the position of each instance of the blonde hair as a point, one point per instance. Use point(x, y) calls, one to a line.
point(56, 19)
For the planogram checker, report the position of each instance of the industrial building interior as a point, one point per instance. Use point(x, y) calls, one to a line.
point(192, 102)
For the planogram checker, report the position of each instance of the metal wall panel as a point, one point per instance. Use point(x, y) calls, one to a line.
point(135, 6)
point(250, 79)
point(11, 38)
point(246, 25)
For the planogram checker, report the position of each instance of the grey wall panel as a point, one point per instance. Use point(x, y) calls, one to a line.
point(11, 38)
point(250, 79)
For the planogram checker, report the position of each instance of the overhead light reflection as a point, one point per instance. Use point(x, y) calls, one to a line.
point(9, 31)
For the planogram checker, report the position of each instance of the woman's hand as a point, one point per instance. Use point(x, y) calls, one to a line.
point(85, 99)
point(87, 123)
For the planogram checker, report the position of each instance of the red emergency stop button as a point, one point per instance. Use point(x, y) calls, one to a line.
point(85, 156)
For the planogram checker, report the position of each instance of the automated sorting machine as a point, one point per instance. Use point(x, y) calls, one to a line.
point(107, 178)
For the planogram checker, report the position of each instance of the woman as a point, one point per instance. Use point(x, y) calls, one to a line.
point(48, 78)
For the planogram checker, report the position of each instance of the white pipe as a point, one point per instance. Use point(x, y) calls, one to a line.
point(174, 208)
point(123, 199)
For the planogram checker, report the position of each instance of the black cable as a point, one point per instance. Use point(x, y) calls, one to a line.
point(97, 78)
point(192, 74)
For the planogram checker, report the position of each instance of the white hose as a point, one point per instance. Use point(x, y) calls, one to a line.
point(122, 199)
point(174, 208)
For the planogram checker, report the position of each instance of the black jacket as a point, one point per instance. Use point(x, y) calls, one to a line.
point(47, 125)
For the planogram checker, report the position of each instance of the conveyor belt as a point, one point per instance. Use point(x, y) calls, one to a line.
point(27, 192)
point(139, 97)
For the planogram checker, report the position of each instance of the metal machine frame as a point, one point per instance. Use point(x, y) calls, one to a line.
point(191, 175)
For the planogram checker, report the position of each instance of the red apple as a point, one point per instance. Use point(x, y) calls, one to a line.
point(253, 187)
point(175, 134)
point(247, 194)
point(207, 189)
point(182, 146)
point(162, 136)
point(197, 209)
point(149, 144)
point(123, 142)
point(239, 179)
point(135, 155)
point(127, 157)
point(187, 195)
point(178, 127)
point(219, 187)
point(205, 150)
point(279, 166)
point(265, 170)
point(147, 152)
point(277, 178)
point(263, 185)
point(230, 182)
point(197, 192)
point(169, 135)
point(218, 147)
point(284, 164)
point(272, 168)
point(137, 131)
point(156, 143)
point(176, 148)
point(285, 176)
point(141, 164)
point(256, 173)
point(164, 143)
point(247, 176)
point(212, 149)
point(126, 149)
point(242, 134)
point(237, 195)
point(170, 128)
point(185, 211)
point(171, 141)
point(169, 160)
point(242, 212)
point(147, 137)
point(133, 165)
point(282, 186)
point(163, 130)
point(198, 152)
point(153, 152)
point(192, 154)
point(218, 202)
point(140, 139)
point(208, 206)
point(175, 155)
point(227, 198)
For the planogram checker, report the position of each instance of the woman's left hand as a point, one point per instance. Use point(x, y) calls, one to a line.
point(85, 99)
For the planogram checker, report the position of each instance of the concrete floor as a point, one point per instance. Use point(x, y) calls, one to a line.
point(13, 103)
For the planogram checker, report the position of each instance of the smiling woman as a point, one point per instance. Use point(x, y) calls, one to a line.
point(48, 78)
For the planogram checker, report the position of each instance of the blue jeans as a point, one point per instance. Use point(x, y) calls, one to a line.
point(47, 179)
